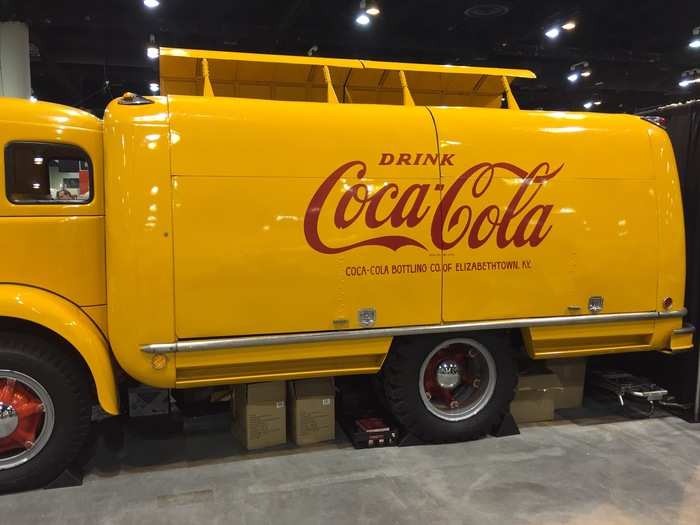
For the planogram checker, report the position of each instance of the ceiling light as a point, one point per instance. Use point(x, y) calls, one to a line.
point(152, 52)
point(569, 26)
point(373, 11)
point(579, 70)
point(151, 4)
point(154, 87)
point(595, 101)
point(362, 19)
point(695, 42)
point(692, 76)
point(552, 33)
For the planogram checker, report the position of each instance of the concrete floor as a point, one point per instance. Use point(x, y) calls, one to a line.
point(621, 472)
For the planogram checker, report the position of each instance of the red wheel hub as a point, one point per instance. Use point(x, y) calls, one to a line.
point(20, 402)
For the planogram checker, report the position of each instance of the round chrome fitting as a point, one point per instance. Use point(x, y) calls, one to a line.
point(8, 420)
point(447, 374)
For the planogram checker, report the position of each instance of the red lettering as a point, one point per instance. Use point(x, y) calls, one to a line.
point(371, 218)
point(404, 158)
point(340, 219)
point(431, 159)
point(447, 159)
point(436, 230)
point(387, 158)
point(315, 208)
point(457, 218)
point(490, 214)
point(515, 208)
point(413, 216)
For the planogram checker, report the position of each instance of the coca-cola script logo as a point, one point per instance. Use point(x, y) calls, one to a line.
point(462, 215)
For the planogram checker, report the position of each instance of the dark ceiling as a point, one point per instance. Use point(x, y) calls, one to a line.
point(86, 52)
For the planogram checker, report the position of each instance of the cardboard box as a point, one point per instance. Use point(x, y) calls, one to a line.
point(260, 416)
point(572, 376)
point(312, 410)
point(534, 399)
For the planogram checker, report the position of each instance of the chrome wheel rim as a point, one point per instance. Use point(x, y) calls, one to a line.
point(457, 379)
point(27, 418)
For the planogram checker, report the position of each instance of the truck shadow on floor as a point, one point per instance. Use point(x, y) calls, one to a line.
point(173, 441)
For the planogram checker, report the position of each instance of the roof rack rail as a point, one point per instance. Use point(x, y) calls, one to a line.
point(333, 80)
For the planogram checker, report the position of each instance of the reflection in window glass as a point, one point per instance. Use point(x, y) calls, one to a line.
point(38, 172)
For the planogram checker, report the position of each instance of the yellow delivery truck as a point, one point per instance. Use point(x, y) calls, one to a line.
point(277, 217)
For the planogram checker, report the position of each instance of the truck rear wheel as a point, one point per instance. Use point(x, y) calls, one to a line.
point(444, 389)
point(44, 411)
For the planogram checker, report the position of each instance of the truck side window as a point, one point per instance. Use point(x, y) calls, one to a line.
point(47, 173)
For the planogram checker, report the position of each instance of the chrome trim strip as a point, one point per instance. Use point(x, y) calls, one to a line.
point(225, 343)
point(687, 329)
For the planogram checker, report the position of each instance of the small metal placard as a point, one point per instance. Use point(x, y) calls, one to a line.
point(366, 317)
point(595, 304)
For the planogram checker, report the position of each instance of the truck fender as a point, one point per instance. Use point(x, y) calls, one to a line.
point(67, 320)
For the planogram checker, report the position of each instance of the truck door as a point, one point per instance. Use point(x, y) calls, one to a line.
point(301, 216)
point(543, 211)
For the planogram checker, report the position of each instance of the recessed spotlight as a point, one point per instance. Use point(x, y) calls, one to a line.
point(489, 9)
point(593, 102)
point(152, 52)
point(362, 19)
point(569, 26)
point(373, 11)
point(579, 70)
point(154, 87)
point(692, 76)
point(695, 42)
point(552, 33)
point(151, 4)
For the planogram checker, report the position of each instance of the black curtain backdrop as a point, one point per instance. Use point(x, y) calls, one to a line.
point(684, 130)
point(680, 373)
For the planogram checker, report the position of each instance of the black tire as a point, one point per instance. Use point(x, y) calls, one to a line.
point(401, 373)
point(65, 378)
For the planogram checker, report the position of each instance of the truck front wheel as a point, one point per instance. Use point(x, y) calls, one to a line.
point(44, 411)
point(445, 389)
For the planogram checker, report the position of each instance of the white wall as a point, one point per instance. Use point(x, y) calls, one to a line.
point(15, 80)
